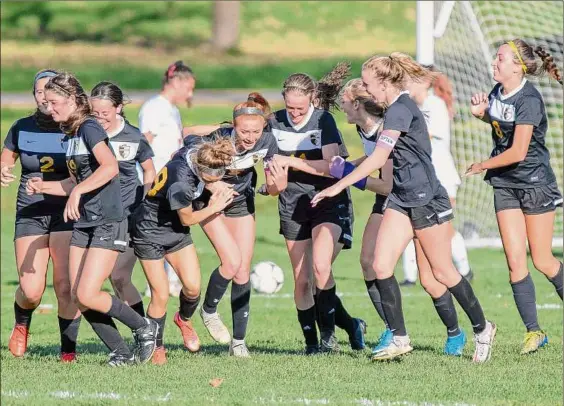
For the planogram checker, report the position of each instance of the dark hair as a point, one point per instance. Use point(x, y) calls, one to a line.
point(528, 59)
point(112, 92)
point(177, 70)
point(44, 121)
point(67, 85)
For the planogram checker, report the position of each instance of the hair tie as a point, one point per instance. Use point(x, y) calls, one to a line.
point(170, 71)
point(516, 52)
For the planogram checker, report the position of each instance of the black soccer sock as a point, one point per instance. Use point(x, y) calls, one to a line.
point(161, 322)
point(122, 312)
point(138, 307)
point(23, 316)
point(240, 305)
point(444, 306)
point(342, 318)
point(390, 296)
point(105, 328)
point(217, 286)
point(557, 280)
point(188, 306)
point(307, 323)
point(374, 294)
point(68, 329)
point(464, 295)
point(326, 304)
point(526, 301)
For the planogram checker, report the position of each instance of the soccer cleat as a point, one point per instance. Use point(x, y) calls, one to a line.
point(328, 342)
point(484, 341)
point(67, 357)
point(385, 339)
point(215, 327)
point(312, 349)
point(159, 357)
point(357, 339)
point(18, 340)
point(399, 345)
point(239, 349)
point(455, 345)
point(120, 360)
point(191, 339)
point(406, 283)
point(533, 341)
point(146, 340)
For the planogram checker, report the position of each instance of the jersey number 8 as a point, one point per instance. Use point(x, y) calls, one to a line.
point(159, 182)
point(47, 164)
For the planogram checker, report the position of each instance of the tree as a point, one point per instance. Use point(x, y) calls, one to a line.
point(225, 24)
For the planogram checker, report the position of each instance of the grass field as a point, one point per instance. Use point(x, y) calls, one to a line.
point(278, 373)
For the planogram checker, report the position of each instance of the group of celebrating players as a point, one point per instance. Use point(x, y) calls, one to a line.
point(114, 193)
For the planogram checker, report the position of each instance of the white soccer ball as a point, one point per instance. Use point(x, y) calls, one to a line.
point(267, 278)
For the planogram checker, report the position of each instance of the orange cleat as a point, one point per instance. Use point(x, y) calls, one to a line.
point(191, 339)
point(159, 356)
point(67, 357)
point(18, 340)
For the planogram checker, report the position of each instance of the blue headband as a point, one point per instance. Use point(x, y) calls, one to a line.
point(44, 74)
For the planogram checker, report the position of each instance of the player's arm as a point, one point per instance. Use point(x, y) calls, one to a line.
point(218, 201)
point(382, 185)
point(63, 187)
point(107, 170)
point(199, 130)
point(479, 107)
point(318, 167)
point(7, 162)
point(149, 174)
point(276, 177)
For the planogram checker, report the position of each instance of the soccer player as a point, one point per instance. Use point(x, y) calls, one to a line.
point(436, 106)
point(525, 191)
point(417, 204)
point(40, 232)
point(232, 232)
point(131, 149)
point(160, 122)
point(100, 227)
point(308, 139)
point(161, 231)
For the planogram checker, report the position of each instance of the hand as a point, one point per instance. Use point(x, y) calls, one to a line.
point(329, 192)
point(221, 199)
point(7, 176)
point(479, 104)
point(34, 186)
point(474, 169)
point(218, 186)
point(278, 174)
point(72, 211)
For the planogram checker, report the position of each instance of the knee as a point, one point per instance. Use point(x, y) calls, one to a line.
point(32, 294)
point(442, 276)
point(303, 287)
point(432, 285)
point(321, 268)
point(231, 267)
point(159, 297)
point(516, 261)
point(84, 297)
point(191, 291)
point(543, 263)
point(382, 270)
point(62, 290)
point(120, 281)
point(367, 263)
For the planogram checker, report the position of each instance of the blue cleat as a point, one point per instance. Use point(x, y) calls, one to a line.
point(455, 345)
point(384, 341)
point(357, 339)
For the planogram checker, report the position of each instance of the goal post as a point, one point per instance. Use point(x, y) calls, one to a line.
point(460, 38)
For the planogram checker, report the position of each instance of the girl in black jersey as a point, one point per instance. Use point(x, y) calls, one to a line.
point(162, 231)
point(131, 150)
point(100, 228)
point(368, 116)
point(417, 204)
point(40, 231)
point(525, 191)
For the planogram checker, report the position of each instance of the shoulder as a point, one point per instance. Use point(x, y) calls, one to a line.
point(130, 133)
point(529, 91)
point(155, 102)
point(400, 106)
point(277, 118)
point(90, 125)
point(323, 116)
point(495, 91)
point(24, 123)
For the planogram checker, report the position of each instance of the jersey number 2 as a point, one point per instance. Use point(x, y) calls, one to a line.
point(47, 164)
point(159, 182)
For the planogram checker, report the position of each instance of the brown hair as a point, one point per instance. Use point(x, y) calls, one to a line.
point(527, 54)
point(66, 85)
point(215, 154)
point(397, 69)
point(177, 70)
point(112, 92)
point(355, 89)
point(254, 101)
point(325, 92)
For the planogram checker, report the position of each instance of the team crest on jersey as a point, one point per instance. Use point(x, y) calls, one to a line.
point(508, 114)
point(124, 151)
point(315, 138)
point(256, 158)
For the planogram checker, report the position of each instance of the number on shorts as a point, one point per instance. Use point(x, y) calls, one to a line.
point(47, 163)
point(159, 182)
point(497, 129)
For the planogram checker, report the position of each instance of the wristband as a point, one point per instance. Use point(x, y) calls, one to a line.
point(361, 184)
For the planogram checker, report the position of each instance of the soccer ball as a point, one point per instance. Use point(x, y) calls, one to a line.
point(267, 278)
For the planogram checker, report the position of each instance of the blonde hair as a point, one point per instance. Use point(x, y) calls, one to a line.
point(356, 91)
point(397, 69)
point(532, 65)
point(215, 154)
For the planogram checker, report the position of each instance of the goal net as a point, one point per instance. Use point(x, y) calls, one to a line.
point(467, 35)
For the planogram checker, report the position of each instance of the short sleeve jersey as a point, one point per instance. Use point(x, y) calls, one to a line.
point(42, 154)
point(174, 188)
point(415, 181)
point(102, 205)
point(524, 105)
point(130, 147)
point(437, 118)
point(305, 141)
point(369, 139)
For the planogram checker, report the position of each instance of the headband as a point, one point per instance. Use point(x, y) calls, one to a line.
point(44, 74)
point(247, 111)
point(516, 52)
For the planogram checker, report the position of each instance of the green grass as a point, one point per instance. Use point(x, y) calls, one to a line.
point(277, 373)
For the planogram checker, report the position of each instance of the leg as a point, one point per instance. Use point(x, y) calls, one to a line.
point(121, 281)
point(459, 251)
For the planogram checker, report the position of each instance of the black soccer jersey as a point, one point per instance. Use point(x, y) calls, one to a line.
point(174, 188)
point(102, 205)
point(130, 147)
point(42, 154)
point(305, 141)
point(242, 171)
point(524, 105)
point(415, 181)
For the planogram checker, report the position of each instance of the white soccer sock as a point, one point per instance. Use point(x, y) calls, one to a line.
point(409, 261)
point(171, 275)
point(459, 254)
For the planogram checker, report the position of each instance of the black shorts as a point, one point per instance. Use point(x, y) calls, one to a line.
point(538, 200)
point(155, 245)
point(299, 231)
point(41, 225)
point(240, 208)
point(437, 211)
point(378, 207)
point(112, 236)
